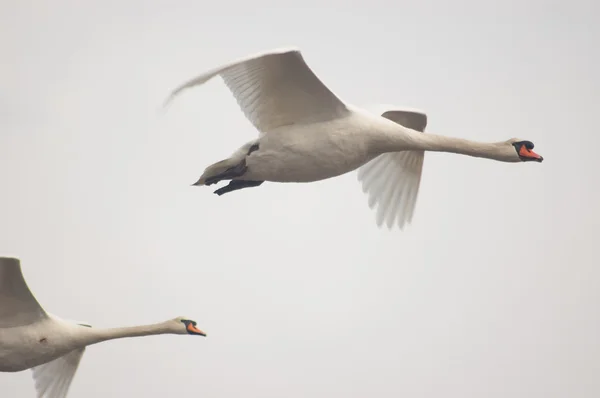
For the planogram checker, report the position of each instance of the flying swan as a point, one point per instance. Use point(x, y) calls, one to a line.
point(306, 134)
point(31, 338)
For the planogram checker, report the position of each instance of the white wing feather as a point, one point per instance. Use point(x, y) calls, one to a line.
point(392, 180)
point(274, 89)
point(53, 379)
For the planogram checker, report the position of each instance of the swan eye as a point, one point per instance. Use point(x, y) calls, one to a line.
point(191, 328)
point(525, 152)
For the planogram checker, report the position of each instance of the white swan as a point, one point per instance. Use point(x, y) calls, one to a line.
point(32, 338)
point(306, 133)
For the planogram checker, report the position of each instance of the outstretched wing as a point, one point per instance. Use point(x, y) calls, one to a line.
point(274, 89)
point(18, 306)
point(392, 180)
point(53, 379)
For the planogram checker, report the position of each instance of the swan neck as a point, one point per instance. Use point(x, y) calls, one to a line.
point(93, 335)
point(407, 139)
point(439, 143)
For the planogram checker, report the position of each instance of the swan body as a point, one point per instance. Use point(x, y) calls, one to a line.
point(307, 153)
point(307, 134)
point(31, 338)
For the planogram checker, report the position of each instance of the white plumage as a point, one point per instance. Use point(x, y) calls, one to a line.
point(31, 338)
point(307, 133)
point(392, 180)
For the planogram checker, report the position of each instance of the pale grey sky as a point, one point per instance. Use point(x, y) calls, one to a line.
point(492, 291)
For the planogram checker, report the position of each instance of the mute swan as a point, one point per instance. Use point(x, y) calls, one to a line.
point(306, 134)
point(32, 338)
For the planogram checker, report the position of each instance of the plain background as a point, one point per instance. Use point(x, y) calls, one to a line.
point(492, 291)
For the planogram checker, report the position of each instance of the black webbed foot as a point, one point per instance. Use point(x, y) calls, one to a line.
point(234, 185)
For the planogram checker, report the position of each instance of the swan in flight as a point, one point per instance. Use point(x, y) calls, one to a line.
point(307, 133)
point(31, 338)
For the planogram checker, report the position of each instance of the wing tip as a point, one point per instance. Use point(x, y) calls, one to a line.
point(9, 260)
point(273, 51)
point(284, 49)
point(208, 75)
point(392, 108)
point(166, 104)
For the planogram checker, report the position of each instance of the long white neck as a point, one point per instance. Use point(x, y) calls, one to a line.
point(398, 138)
point(90, 336)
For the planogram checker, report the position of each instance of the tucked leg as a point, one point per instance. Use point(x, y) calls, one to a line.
point(234, 185)
point(232, 172)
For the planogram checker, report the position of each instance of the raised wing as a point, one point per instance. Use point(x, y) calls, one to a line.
point(413, 119)
point(392, 180)
point(275, 89)
point(18, 306)
point(53, 379)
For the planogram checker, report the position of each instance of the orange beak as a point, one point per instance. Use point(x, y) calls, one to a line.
point(194, 330)
point(528, 153)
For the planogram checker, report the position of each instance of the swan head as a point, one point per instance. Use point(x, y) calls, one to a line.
point(523, 151)
point(185, 325)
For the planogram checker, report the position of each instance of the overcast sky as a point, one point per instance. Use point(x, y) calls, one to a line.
point(492, 291)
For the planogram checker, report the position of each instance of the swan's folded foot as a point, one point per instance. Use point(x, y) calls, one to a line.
point(236, 171)
point(234, 185)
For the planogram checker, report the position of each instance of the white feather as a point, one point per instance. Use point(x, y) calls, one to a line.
point(392, 180)
point(31, 338)
point(307, 134)
point(53, 379)
point(275, 89)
